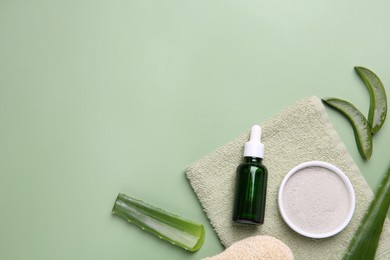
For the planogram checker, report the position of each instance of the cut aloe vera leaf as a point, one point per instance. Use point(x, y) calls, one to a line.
point(167, 226)
point(361, 128)
point(378, 100)
point(366, 239)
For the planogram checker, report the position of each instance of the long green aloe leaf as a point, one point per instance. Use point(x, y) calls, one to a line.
point(167, 226)
point(378, 100)
point(359, 124)
point(366, 239)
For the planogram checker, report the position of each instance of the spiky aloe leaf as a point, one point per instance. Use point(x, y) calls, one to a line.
point(167, 226)
point(378, 101)
point(366, 239)
point(359, 124)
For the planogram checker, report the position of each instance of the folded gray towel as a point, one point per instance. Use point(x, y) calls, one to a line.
point(300, 133)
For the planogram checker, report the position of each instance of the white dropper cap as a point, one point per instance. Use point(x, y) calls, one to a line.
point(254, 148)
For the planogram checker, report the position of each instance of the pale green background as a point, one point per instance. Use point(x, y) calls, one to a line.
point(101, 97)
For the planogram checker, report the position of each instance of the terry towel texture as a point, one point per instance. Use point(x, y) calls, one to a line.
point(302, 132)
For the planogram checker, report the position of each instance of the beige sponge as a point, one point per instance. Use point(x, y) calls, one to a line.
point(256, 247)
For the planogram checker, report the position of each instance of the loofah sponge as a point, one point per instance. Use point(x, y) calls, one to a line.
point(256, 247)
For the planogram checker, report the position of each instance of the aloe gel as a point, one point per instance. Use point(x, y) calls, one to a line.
point(251, 183)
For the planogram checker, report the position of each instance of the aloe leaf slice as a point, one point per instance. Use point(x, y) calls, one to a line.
point(361, 128)
point(366, 239)
point(378, 100)
point(167, 226)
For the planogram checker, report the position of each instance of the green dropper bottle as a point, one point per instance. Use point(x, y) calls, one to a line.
point(251, 182)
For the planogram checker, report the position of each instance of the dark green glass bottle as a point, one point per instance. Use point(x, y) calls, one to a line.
point(251, 183)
